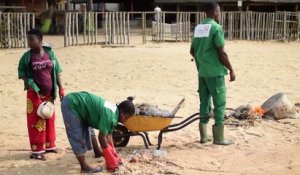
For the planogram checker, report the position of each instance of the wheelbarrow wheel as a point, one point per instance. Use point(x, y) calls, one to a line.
point(119, 137)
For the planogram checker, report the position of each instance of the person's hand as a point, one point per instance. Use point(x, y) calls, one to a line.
point(111, 160)
point(115, 152)
point(61, 93)
point(232, 76)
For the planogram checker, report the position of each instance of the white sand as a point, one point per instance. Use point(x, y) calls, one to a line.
point(162, 74)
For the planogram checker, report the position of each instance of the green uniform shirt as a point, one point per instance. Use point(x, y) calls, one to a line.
point(208, 36)
point(94, 111)
point(24, 71)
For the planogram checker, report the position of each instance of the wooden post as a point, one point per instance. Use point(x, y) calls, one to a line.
point(284, 27)
point(77, 28)
point(124, 27)
point(84, 27)
point(106, 31)
point(22, 31)
point(177, 16)
point(114, 27)
point(163, 25)
point(65, 30)
point(117, 26)
point(189, 26)
point(19, 38)
point(73, 28)
point(96, 27)
point(120, 27)
point(69, 27)
point(128, 28)
point(263, 27)
point(28, 21)
point(298, 30)
point(110, 29)
point(88, 28)
point(180, 26)
point(273, 26)
point(143, 27)
point(9, 29)
point(33, 20)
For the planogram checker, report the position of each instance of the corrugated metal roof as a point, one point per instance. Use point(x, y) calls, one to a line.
point(203, 1)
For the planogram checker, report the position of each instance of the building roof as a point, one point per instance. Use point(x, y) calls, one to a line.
point(203, 1)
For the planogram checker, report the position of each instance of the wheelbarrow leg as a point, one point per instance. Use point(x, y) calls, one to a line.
point(146, 134)
point(159, 139)
point(144, 139)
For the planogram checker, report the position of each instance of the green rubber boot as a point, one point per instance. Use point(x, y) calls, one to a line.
point(203, 133)
point(218, 133)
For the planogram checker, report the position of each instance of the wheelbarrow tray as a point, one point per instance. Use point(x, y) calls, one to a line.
point(141, 123)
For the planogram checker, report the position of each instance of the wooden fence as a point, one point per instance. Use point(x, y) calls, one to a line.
point(14, 28)
point(115, 28)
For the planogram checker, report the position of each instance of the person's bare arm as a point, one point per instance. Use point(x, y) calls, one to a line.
point(192, 53)
point(103, 140)
point(59, 81)
point(225, 60)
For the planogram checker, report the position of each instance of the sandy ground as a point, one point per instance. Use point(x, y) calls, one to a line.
point(162, 74)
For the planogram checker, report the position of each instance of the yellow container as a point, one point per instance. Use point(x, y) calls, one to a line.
point(140, 123)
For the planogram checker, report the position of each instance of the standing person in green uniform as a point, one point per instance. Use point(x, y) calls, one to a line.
point(212, 63)
point(83, 111)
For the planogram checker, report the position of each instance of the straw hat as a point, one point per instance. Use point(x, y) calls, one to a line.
point(45, 110)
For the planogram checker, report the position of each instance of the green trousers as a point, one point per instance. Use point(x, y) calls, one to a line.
point(212, 88)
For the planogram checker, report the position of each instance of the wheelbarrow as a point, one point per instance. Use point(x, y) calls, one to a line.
point(139, 125)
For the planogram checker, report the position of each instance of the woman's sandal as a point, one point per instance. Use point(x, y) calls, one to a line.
point(52, 151)
point(37, 156)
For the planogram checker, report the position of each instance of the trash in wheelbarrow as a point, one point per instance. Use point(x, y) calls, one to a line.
point(150, 118)
point(146, 109)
